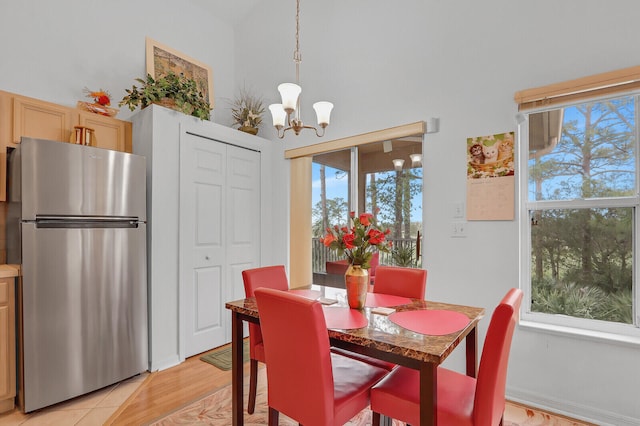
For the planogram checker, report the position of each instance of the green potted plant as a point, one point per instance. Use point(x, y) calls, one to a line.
point(247, 110)
point(171, 90)
point(403, 256)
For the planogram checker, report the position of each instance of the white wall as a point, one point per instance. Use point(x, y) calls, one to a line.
point(383, 64)
point(387, 63)
point(51, 50)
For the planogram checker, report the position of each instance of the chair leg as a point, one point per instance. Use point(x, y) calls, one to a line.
point(253, 386)
point(273, 417)
point(375, 419)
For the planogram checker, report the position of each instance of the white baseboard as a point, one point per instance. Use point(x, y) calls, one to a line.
point(570, 409)
point(168, 362)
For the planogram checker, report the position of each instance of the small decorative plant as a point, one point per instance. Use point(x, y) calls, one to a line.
point(100, 97)
point(101, 102)
point(403, 256)
point(182, 91)
point(359, 242)
point(247, 110)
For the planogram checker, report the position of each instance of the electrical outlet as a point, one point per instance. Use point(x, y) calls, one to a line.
point(458, 229)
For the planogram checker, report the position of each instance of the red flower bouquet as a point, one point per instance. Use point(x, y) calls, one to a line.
point(359, 242)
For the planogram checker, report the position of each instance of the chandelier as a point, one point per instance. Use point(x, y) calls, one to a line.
point(289, 109)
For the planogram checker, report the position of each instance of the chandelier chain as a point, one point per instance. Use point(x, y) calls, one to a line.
point(291, 93)
point(297, 57)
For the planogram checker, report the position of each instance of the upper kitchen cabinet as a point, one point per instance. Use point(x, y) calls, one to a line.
point(23, 116)
point(39, 119)
point(109, 132)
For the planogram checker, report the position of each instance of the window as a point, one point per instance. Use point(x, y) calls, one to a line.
point(300, 232)
point(579, 213)
point(393, 193)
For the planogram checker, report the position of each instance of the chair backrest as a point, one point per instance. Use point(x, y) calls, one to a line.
point(492, 374)
point(299, 369)
point(405, 282)
point(266, 276)
point(375, 262)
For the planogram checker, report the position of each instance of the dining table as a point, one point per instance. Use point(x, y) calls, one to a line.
point(414, 333)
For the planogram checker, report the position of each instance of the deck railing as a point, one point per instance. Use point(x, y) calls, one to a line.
point(321, 254)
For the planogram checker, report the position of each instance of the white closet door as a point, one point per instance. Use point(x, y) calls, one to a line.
point(219, 235)
point(243, 220)
point(202, 252)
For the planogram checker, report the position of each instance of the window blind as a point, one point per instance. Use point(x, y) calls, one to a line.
point(604, 84)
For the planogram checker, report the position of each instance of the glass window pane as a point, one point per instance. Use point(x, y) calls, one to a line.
point(582, 263)
point(330, 200)
point(391, 191)
point(583, 151)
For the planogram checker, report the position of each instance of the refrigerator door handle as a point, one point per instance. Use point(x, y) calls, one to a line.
point(85, 223)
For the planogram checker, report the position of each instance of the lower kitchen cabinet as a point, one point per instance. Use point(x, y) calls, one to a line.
point(7, 344)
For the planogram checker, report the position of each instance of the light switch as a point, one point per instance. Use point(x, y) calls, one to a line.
point(457, 210)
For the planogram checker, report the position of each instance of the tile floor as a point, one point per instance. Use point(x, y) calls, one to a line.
point(93, 409)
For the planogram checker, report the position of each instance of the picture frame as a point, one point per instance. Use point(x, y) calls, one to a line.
point(162, 59)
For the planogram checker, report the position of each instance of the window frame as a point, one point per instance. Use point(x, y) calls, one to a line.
point(565, 323)
point(300, 268)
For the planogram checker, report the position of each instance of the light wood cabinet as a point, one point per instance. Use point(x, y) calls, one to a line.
point(7, 344)
point(109, 132)
point(25, 116)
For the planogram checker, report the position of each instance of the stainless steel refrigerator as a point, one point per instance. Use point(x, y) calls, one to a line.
point(77, 224)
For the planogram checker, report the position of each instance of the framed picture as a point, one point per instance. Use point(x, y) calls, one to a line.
point(162, 59)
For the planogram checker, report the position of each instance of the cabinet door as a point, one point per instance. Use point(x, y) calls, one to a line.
point(110, 133)
point(39, 119)
point(7, 344)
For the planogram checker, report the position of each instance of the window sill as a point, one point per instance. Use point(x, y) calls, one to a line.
point(592, 335)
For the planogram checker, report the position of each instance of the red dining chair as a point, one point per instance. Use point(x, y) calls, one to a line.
point(461, 400)
point(305, 380)
point(271, 277)
point(405, 282)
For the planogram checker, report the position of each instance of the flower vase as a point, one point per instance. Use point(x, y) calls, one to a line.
point(356, 281)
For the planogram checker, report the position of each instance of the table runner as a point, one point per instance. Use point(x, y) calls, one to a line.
point(432, 322)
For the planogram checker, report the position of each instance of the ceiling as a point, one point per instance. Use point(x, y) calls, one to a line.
point(373, 158)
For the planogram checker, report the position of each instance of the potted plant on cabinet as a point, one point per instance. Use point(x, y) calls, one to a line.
point(247, 110)
point(172, 91)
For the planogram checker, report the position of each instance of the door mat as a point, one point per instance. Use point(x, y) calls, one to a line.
point(221, 357)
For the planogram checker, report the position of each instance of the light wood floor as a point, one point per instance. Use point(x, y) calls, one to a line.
point(165, 391)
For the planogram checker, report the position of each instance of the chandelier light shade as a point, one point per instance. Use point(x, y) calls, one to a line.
point(286, 116)
point(289, 93)
point(279, 115)
point(416, 160)
point(323, 112)
point(397, 164)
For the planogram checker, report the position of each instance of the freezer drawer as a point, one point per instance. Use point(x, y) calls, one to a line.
point(84, 310)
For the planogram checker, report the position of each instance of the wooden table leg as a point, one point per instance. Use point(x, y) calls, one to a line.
point(428, 394)
point(471, 343)
point(237, 372)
